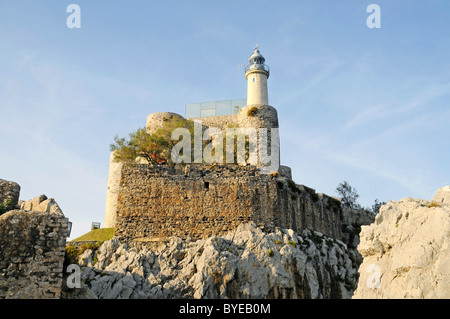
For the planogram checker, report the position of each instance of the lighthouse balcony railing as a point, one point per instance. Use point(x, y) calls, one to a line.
point(257, 67)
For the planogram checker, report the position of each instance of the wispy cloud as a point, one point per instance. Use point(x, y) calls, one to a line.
point(396, 107)
point(325, 68)
point(369, 114)
point(389, 154)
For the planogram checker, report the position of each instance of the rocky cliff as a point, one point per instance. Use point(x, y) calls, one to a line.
point(406, 250)
point(245, 263)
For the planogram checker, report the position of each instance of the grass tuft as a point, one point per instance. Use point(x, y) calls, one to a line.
point(100, 234)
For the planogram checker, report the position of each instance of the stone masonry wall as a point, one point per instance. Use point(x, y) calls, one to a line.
point(222, 121)
point(199, 201)
point(300, 207)
point(158, 201)
point(31, 254)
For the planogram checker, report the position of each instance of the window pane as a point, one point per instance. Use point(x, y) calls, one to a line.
point(209, 112)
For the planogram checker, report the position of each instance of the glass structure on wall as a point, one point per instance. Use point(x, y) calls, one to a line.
point(214, 108)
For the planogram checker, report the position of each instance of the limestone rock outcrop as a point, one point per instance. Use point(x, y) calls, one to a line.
point(442, 195)
point(41, 204)
point(245, 263)
point(406, 251)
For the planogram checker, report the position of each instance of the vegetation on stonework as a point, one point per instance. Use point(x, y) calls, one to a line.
point(92, 246)
point(292, 243)
point(348, 196)
point(94, 239)
point(3, 207)
point(432, 204)
point(316, 238)
point(70, 256)
point(72, 252)
point(252, 111)
point(293, 186)
point(155, 148)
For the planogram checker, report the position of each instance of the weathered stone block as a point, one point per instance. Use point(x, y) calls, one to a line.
point(9, 195)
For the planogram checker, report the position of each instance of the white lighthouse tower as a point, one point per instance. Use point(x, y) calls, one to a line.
point(261, 116)
point(257, 74)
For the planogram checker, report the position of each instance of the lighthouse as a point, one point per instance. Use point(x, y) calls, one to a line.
point(257, 73)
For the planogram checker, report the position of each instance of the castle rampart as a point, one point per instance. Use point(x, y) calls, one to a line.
point(198, 201)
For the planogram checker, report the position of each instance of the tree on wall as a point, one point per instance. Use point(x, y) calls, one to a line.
point(155, 148)
point(348, 195)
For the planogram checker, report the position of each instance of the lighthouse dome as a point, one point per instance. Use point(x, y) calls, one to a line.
point(256, 57)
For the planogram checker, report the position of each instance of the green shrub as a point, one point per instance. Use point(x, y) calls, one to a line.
point(252, 111)
point(329, 243)
point(432, 204)
point(270, 253)
point(70, 256)
point(3, 207)
point(293, 186)
point(316, 239)
point(292, 243)
point(72, 252)
point(92, 246)
point(155, 148)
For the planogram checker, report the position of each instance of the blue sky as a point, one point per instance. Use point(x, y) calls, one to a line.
point(369, 106)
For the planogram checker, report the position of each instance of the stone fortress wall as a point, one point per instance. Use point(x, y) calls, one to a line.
point(198, 201)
